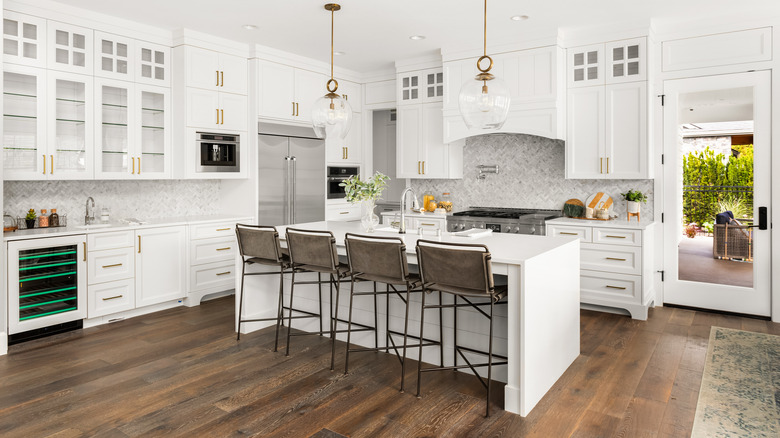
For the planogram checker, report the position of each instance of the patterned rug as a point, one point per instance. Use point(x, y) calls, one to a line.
point(740, 388)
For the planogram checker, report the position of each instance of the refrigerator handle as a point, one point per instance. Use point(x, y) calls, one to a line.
point(294, 183)
point(287, 201)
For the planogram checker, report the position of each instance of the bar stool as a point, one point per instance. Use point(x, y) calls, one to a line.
point(259, 244)
point(380, 260)
point(464, 271)
point(315, 251)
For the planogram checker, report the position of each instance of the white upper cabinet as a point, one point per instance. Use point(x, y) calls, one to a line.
point(24, 123)
point(216, 71)
point(216, 111)
point(152, 64)
point(349, 150)
point(288, 93)
point(69, 48)
point(420, 148)
point(585, 66)
point(626, 61)
point(309, 86)
point(24, 39)
point(585, 137)
point(433, 85)
point(351, 91)
point(115, 57)
point(153, 124)
point(71, 126)
point(422, 86)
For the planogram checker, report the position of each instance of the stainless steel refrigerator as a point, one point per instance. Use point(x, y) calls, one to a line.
point(292, 175)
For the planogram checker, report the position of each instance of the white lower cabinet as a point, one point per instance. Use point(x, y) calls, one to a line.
point(615, 263)
point(160, 265)
point(342, 212)
point(112, 297)
point(212, 262)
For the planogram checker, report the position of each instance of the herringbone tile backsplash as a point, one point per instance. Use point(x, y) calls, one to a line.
point(138, 199)
point(531, 175)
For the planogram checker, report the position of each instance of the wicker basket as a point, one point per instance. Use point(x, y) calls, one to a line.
point(732, 242)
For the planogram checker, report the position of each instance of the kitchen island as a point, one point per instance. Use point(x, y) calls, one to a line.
point(539, 329)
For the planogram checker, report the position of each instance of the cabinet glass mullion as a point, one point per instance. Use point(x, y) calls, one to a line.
point(20, 122)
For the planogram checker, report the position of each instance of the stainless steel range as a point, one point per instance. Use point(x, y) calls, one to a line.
point(502, 220)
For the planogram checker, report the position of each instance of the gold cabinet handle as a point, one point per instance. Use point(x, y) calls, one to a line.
point(223, 249)
point(616, 259)
point(222, 112)
point(418, 167)
point(343, 212)
point(217, 116)
point(423, 167)
point(293, 111)
point(297, 110)
point(346, 151)
point(133, 160)
point(223, 229)
point(569, 234)
point(113, 298)
point(223, 273)
point(139, 244)
point(217, 77)
point(222, 78)
point(139, 165)
point(44, 164)
point(607, 164)
point(85, 251)
point(601, 165)
point(616, 237)
point(427, 225)
point(616, 287)
point(51, 165)
point(112, 266)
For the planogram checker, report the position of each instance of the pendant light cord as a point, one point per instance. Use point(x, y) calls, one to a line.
point(332, 12)
point(484, 39)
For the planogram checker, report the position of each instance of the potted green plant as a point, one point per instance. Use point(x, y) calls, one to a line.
point(30, 219)
point(366, 192)
point(633, 198)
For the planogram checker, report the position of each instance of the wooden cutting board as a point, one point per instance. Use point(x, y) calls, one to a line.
point(576, 202)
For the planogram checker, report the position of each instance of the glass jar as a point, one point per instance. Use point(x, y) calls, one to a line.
point(54, 218)
point(445, 202)
point(428, 202)
point(43, 220)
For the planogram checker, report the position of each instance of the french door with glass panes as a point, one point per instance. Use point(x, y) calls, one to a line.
point(24, 122)
point(70, 126)
point(152, 148)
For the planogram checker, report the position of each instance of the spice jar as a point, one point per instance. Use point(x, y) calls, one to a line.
point(54, 218)
point(43, 220)
point(445, 202)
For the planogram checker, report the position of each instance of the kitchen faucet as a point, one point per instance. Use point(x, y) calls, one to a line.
point(90, 215)
point(415, 206)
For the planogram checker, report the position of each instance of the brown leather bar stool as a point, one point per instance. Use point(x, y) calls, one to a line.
point(259, 244)
point(380, 260)
point(463, 271)
point(315, 251)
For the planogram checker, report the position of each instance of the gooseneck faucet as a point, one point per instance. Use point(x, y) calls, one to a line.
point(90, 214)
point(415, 206)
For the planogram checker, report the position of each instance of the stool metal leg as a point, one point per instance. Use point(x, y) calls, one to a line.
point(441, 331)
point(490, 361)
point(289, 314)
point(406, 330)
point(376, 320)
point(349, 323)
point(279, 314)
point(419, 358)
point(335, 324)
point(455, 333)
point(241, 301)
point(319, 287)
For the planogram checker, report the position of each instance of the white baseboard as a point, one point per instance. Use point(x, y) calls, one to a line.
point(3, 343)
point(92, 322)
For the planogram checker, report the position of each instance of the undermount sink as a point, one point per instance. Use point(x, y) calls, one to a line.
point(92, 226)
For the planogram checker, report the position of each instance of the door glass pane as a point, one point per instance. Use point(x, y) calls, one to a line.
point(20, 122)
point(114, 129)
point(716, 149)
point(70, 114)
point(152, 132)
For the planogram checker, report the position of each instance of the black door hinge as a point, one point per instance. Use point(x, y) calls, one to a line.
point(662, 159)
point(662, 218)
point(662, 275)
point(663, 99)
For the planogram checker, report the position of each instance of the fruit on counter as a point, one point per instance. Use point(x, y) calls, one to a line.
point(447, 205)
point(431, 205)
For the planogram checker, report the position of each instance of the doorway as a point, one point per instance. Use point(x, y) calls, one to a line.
point(717, 182)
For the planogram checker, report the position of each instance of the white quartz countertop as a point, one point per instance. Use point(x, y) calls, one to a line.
point(74, 229)
point(417, 214)
point(511, 249)
point(614, 223)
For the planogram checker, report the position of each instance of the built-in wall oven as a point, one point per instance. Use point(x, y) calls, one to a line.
point(337, 175)
point(218, 152)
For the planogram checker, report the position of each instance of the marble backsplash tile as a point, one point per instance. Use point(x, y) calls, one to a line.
point(138, 199)
point(531, 175)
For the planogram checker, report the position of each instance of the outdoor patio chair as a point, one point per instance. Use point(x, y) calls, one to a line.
point(731, 240)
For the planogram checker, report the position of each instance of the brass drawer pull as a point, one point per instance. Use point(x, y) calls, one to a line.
point(223, 273)
point(113, 298)
point(223, 249)
point(616, 287)
point(569, 234)
point(615, 258)
point(343, 212)
point(223, 229)
point(616, 237)
point(112, 266)
point(427, 225)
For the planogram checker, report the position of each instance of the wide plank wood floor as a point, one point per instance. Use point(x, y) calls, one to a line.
point(181, 372)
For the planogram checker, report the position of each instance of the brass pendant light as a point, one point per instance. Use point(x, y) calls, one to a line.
point(331, 114)
point(484, 101)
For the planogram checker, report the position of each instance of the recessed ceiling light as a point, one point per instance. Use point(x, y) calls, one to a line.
point(337, 53)
point(417, 37)
point(519, 17)
point(249, 27)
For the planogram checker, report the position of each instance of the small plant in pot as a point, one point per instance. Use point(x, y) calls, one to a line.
point(366, 192)
point(633, 198)
point(30, 219)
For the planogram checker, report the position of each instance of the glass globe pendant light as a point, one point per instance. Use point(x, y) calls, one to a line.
point(331, 114)
point(484, 101)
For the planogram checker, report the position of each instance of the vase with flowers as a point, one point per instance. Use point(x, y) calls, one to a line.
point(366, 192)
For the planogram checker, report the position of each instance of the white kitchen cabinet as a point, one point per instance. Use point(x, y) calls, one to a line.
point(112, 297)
point(349, 150)
point(160, 265)
point(607, 132)
point(585, 66)
point(625, 61)
point(421, 86)
point(616, 263)
point(232, 112)
point(69, 48)
point(153, 124)
point(24, 38)
point(70, 124)
point(430, 224)
point(342, 211)
point(352, 92)
point(212, 254)
point(420, 148)
point(153, 64)
point(214, 111)
point(288, 93)
point(24, 123)
point(215, 71)
point(110, 265)
point(115, 56)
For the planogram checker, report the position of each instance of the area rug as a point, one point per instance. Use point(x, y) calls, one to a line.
point(740, 388)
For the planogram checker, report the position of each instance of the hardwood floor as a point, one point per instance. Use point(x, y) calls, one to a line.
point(181, 372)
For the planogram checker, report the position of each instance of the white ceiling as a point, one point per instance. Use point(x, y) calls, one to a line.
point(376, 33)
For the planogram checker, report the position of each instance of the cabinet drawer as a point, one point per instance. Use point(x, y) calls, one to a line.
point(432, 224)
point(583, 233)
point(212, 275)
point(219, 229)
point(617, 236)
point(215, 249)
point(111, 240)
point(606, 287)
point(108, 298)
point(110, 265)
point(346, 212)
point(611, 258)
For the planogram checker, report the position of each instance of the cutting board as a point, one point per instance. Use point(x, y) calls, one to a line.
point(600, 200)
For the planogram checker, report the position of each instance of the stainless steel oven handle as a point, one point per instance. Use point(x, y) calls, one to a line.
point(287, 190)
point(294, 182)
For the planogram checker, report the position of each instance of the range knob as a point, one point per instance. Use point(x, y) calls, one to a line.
point(517, 230)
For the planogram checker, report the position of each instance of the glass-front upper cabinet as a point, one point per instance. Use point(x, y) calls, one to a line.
point(115, 56)
point(24, 130)
point(71, 122)
point(153, 150)
point(69, 48)
point(152, 64)
point(114, 121)
point(23, 39)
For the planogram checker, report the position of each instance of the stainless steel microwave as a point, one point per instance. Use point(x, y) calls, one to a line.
point(218, 152)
